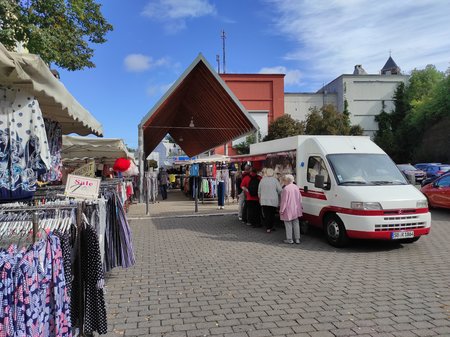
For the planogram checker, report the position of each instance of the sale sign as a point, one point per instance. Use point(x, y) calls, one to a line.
point(82, 187)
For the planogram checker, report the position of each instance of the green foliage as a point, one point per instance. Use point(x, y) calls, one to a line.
point(412, 132)
point(384, 137)
point(60, 31)
point(328, 121)
point(285, 126)
point(152, 163)
point(244, 147)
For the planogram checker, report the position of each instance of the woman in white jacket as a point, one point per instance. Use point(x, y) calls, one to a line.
point(269, 197)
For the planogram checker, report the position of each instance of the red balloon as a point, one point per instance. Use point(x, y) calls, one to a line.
point(121, 164)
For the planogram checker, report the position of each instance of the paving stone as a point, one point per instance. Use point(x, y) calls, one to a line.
point(199, 276)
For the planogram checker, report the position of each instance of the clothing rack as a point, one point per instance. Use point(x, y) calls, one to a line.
point(35, 221)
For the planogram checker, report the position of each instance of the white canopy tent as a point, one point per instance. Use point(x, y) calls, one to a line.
point(78, 150)
point(31, 73)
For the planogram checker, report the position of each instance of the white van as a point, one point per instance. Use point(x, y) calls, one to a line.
point(352, 189)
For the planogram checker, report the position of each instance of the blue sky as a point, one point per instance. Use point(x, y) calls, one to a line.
point(312, 42)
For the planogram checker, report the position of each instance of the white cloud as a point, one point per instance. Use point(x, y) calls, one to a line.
point(330, 37)
point(293, 77)
point(140, 62)
point(174, 13)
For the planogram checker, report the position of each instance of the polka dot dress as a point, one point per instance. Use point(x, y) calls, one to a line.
point(95, 309)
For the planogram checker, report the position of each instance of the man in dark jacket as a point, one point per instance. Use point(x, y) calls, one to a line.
point(163, 180)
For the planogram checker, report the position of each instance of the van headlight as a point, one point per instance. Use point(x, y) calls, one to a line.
point(422, 204)
point(367, 206)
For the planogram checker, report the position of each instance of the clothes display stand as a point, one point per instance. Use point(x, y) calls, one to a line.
point(89, 249)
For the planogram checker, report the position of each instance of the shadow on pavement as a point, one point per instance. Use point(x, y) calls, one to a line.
point(229, 228)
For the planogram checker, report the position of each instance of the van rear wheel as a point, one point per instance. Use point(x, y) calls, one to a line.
point(335, 231)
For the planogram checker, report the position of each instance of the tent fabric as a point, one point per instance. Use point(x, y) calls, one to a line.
point(105, 150)
point(31, 73)
point(199, 111)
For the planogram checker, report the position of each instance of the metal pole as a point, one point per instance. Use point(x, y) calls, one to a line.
point(196, 194)
point(80, 274)
point(146, 194)
point(35, 225)
point(223, 51)
point(141, 162)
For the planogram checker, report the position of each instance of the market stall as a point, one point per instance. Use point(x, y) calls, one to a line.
point(79, 238)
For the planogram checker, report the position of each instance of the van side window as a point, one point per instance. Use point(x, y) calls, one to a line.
point(316, 166)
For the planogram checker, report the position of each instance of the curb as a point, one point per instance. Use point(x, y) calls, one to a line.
point(181, 216)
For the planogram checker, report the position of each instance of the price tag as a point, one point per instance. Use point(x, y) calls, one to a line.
point(82, 187)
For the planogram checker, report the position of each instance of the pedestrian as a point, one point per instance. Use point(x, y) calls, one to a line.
point(291, 208)
point(250, 185)
point(269, 197)
point(242, 209)
point(163, 180)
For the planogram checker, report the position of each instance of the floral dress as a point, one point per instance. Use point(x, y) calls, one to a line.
point(36, 302)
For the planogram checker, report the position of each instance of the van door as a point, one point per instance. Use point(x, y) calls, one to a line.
point(314, 199)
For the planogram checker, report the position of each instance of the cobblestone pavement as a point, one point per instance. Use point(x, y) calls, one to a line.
point(214, 276)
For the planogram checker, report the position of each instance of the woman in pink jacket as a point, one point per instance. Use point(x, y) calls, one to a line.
point(291, 208)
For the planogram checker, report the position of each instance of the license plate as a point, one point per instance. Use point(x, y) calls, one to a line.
point(402, 235)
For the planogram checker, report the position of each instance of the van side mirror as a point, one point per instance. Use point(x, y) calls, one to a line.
point(319, 181)
point(411, 177)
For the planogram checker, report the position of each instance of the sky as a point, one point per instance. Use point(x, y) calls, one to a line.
point(311, 41)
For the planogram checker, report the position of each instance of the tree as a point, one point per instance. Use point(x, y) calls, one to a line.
point(285, 126)
point(384, 137)
point(421, 97)
point(401, 106)
point(328, 121)
point(244, 147)
point(60, 31)
point(152, 163)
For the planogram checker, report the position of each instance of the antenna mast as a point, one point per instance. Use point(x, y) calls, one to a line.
point(223, 36)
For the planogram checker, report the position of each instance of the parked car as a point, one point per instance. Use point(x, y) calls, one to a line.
point(423, 166)
point(408, 169)
point(428, 181)
point(436, 170)
point(438, 192)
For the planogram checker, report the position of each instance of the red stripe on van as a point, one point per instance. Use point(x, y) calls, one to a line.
point(382, 212)
point(313, 194)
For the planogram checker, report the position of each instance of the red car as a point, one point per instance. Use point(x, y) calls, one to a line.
point(438, 192)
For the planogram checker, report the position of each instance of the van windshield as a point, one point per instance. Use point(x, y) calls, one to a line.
point(360, 169)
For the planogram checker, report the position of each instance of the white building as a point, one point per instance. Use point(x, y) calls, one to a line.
point(365, 94)
point(163, 152)
point(298, 104)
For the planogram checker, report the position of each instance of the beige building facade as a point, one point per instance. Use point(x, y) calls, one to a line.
point(364, 93)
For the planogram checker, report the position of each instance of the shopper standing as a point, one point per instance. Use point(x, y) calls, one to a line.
point(269, 197)
point(242, 209)
point(291, 209)
point(250, 185)
point(163, 180)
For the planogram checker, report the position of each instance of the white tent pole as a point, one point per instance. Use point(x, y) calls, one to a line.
point(141, 162)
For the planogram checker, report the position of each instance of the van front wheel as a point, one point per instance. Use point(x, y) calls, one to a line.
point(335, 231)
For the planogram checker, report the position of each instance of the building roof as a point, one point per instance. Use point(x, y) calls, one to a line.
point(199, 111)
point(390, 64)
